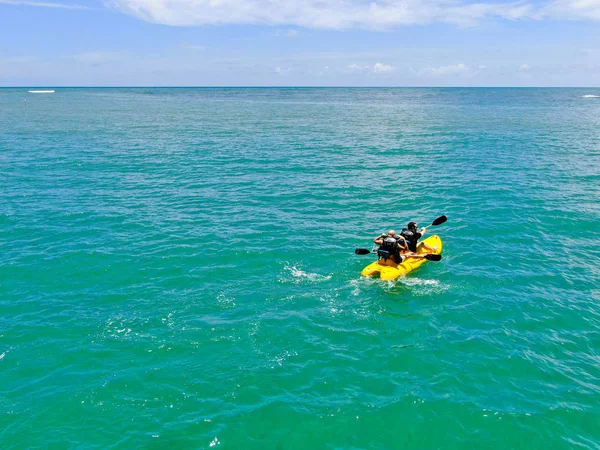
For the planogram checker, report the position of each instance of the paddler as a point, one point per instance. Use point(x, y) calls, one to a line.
point(412, 234)
point(391, 246)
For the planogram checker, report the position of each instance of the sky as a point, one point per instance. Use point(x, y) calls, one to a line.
point(299, 43)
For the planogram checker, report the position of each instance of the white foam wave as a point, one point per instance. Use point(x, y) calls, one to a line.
point(300, 274)
point(280, 358)
point(356, 285)
point(225, 301)
point(420, 287)
point(392, 284)
point(333, 302)
point(418, 282)
point(119, 327)
point(591, 96)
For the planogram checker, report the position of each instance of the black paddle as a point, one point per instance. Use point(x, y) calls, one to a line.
point(440, 220)
point(366, 251)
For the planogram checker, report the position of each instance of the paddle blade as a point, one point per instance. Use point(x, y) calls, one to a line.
point(433, 257)
point(440, 220)
point(362, 251)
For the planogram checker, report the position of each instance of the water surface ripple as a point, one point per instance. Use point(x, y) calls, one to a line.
point(178, 272)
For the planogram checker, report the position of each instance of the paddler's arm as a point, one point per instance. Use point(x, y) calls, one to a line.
point(423, 244)
point(402, 244)
point(378, 239)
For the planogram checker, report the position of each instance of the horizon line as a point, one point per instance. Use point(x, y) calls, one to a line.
point(287, 87)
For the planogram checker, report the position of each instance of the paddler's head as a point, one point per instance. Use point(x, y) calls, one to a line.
point(412, 226)
point(391, 233)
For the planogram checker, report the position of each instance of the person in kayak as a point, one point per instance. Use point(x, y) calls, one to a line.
point(412, 234)
point(391, 246)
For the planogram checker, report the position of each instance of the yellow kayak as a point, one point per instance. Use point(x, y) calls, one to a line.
point(389, 270)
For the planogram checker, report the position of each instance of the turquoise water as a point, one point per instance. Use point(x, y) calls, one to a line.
point(178, 269)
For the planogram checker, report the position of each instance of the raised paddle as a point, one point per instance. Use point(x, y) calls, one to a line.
point(440, 220)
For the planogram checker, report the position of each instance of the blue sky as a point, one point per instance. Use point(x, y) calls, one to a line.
point(300, 42)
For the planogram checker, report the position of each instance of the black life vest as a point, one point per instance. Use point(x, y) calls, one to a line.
point(389, 249)
point(411, 239)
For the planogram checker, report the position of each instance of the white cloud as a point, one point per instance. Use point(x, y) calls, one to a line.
point(355, 68)
point(377, 68)
point(282, 70)
point(524, 67)
point(43, 4)
point(571, 9)
point(327, 14)
point(338, 14)
point(382, 68)
point(443, 71)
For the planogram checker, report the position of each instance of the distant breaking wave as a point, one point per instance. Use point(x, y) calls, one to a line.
point(591, 96)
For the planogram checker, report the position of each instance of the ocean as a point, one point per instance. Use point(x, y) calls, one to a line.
point(178, 272)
